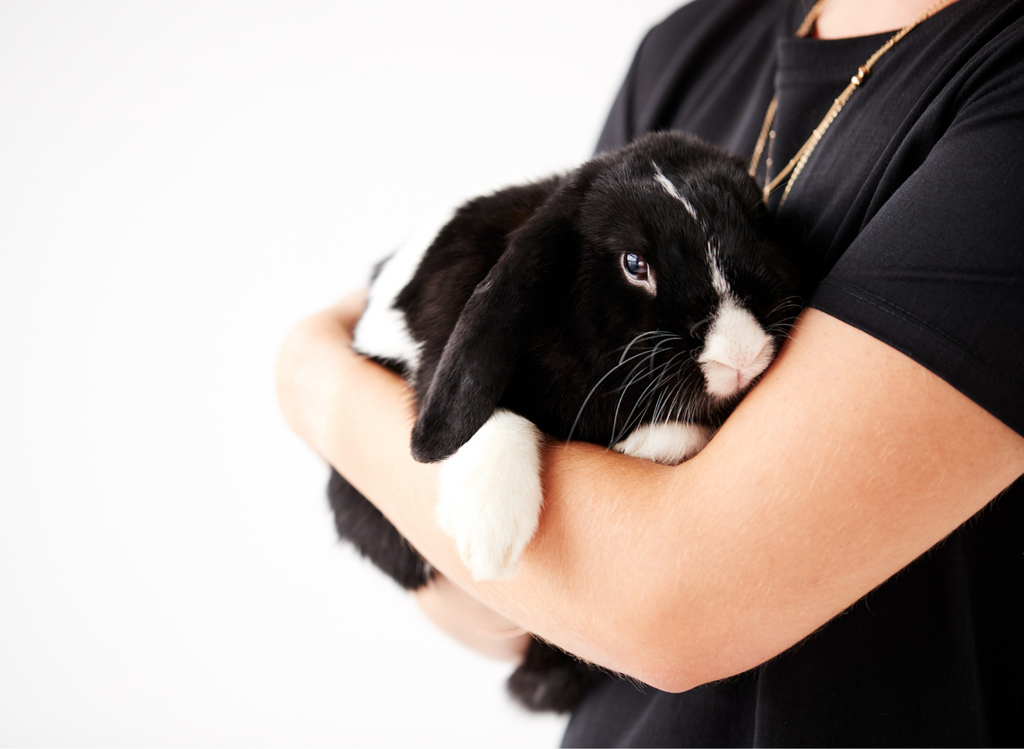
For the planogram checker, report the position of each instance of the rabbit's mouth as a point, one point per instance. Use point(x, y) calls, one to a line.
point(724, 381)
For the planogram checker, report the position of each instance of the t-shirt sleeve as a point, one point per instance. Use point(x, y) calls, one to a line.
point(938, 271)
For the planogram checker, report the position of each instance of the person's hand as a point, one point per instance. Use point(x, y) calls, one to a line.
point(305, 373)
point(470, 622)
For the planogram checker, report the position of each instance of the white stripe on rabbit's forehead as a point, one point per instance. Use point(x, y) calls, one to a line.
point(718, 281)
point(665, 182)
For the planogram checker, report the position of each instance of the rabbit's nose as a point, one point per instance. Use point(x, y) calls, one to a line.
point(736, 350)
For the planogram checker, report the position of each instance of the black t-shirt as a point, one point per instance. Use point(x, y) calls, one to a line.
point(911, 209)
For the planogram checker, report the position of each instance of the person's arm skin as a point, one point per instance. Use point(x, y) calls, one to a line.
point(846, 462)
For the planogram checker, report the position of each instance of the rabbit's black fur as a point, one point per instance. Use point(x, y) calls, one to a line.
point(527, 301)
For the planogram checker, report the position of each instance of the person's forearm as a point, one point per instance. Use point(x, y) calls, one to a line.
point(821, 486)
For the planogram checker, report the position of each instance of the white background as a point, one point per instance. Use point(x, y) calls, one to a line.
point(179, 184)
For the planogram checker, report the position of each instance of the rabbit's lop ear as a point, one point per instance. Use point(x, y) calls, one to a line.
point(492, 331)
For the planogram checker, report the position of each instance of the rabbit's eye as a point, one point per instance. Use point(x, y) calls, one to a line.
point(638, 272)
point(635, 266)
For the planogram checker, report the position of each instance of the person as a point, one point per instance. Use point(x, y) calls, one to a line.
point(844, 562)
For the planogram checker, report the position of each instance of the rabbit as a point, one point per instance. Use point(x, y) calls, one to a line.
point(630, 303)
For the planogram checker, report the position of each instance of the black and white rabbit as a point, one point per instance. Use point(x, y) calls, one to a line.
point(630, 303)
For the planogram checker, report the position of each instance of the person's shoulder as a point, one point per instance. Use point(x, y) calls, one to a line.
point(983, 43)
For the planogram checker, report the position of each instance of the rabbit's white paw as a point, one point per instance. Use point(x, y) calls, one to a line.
point(491, 495)
point(666, 442)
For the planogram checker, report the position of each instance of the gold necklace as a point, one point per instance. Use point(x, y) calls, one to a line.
point(796, 164)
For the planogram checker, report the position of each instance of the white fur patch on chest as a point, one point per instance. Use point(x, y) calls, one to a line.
point(382, 331)
point(670, 443)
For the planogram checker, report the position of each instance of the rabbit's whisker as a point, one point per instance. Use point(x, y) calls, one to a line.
point(641, 336)
point(593, 390)
point(668, 374)
point(658, 378)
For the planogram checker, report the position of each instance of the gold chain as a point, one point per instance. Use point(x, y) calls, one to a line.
point(796, 164)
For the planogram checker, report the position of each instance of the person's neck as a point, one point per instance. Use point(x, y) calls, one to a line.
point(840, 19)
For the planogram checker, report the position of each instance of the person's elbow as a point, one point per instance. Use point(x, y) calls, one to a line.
point(676, 647)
